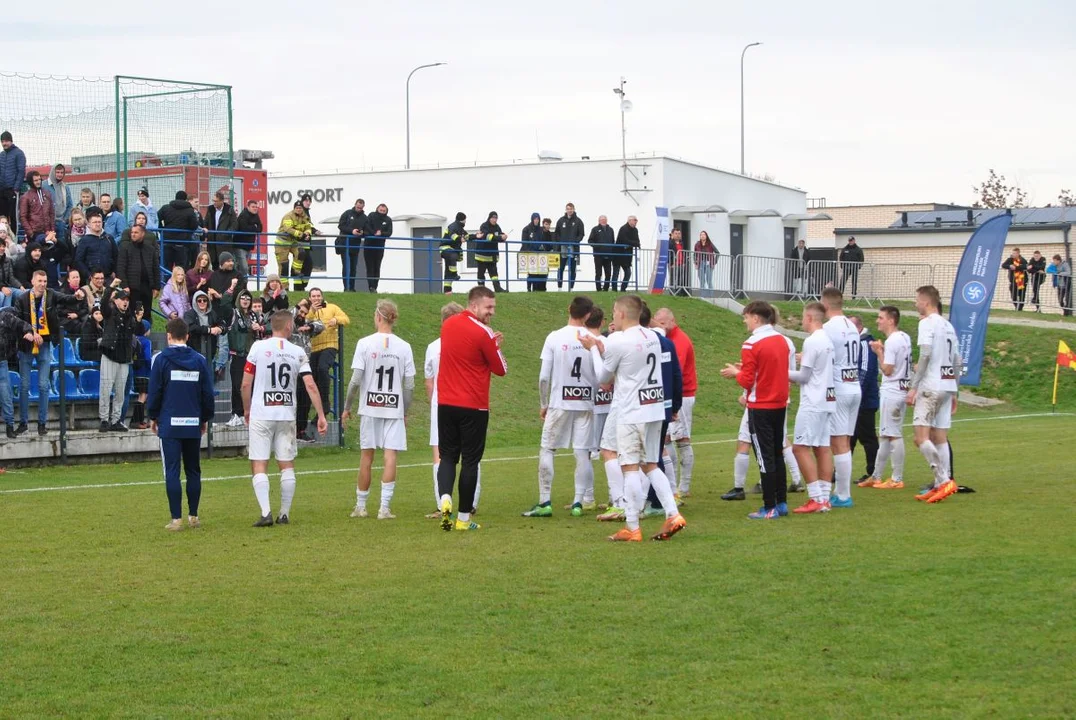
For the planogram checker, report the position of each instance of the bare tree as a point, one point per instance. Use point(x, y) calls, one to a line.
point(1065, 198)
point(996, 192)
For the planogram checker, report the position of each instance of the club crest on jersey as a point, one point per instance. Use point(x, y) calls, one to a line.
point(584, 393)
point(651, 396)
point(277, 398)
point(382, 400)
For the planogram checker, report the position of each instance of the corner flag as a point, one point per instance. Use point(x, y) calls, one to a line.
point(1065, 358)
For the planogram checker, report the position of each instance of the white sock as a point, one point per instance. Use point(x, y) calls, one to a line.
point(943, 457)
point(687, 464)
point(740, 465)
point(442, 499)
point(885, 446)
point(386, 494)
point(816, 490)
point(477, 487)
point(827, 490)
point(287, 490)
point(842, 471)
point(645, 486)
point(792, 465)
point(931, 454)
point(584, 475)
point(663, 490)
point(545, 475)
point(261, 492)
point(615, 476)
point(463, 517)
point(436, 494)
point(668, 457)
point(897, 446)
point(633, 489)
point(360, 498)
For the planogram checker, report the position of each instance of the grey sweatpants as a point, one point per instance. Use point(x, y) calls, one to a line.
point(113, 380)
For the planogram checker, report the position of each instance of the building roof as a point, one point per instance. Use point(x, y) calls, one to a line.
point(1021, 216)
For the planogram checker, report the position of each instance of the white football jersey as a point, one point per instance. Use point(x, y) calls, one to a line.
point(898, 353)
point(937, 333)
point(432, 366)
point(817, 394)
point(633, 360)
point(278, 367)
point(385, 361)
point(846, 351)
point(570, 370)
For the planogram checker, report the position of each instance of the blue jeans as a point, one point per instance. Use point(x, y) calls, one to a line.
point(706, 276)
point(5, 395)
point(569, 259)
point(26, 364)
point(7, 300)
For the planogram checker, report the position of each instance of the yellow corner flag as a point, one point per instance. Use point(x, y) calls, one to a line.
point(1065, 358)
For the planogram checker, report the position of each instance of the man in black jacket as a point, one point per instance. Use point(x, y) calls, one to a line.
point(536, 240)
point(30, 262)
point(9, 284)
point(249, 224)
point(225, 284)
point(569, 233)
point(352, 227)
point(797, 270)
point(602, 245)
point(220, 223)
point(117, 353)
point(486, 252)
point(178, 221)
point(627, 242)
point(1036, 270)
point(851, 258)
point(12, 330)
point(451, 248)
point(378, 229)
point(137, 266)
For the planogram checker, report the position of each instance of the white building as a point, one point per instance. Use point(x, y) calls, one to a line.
point(742, 215)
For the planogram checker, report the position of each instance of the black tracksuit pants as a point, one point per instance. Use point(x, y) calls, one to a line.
point(768, 438)
point(373, 257)
point(867, 434)
point(461, 432)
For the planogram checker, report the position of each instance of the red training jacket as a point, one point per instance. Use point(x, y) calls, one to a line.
point(764, 371)
point(685, 353)
point(469, 354)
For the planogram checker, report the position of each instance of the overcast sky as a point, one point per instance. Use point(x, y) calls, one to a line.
point(857, 102)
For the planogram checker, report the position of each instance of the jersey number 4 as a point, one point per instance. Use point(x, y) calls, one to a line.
point(577, 368)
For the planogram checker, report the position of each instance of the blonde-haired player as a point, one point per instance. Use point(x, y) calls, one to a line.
point(818, 402)
point(383, 383)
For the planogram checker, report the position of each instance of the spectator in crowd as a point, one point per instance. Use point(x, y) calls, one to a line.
point(94, 290)
point(304, 330)
point(534, 241)
point(452, 248)
point(76, 228)
point(705, 259)
point(178, 221)
point(54, 255)
point(10, 286)
point(225, 283)
point(89, 346)
point(677, 274)
point(205, 326)
point(142, 220)
point(569, 233)
point(1016, 264)
point(143, 205)
point(249, 224)
point(87, 200)
point(259, 323)
point(199, 274)
point(866, 422)
point(274, 296)
point(44, 310)
point(486, 253)
point(96, 250)
point(220, 222)
point(12, 174)
point(293, 246)
point(10, 241)
point(138, 377)
point(117, 352)
point(325, 347)
point(12, 330)
point(851, 257)
point(602, 244)
point(175, 302)
point(1036, 269)
point(798, 277)
point(627, 242)
point(72, 286)
point(115, 222)
point(378, 230)
point(137, 266)
point(29, 263)
point(62, 202)
point(36, 216)
point(352, 226)
point(1062, 272)
point(240, 338)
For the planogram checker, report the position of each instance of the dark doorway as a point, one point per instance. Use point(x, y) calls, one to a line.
point(790, 240)
point(426, 259)
point(735, 250)
point(679, 275)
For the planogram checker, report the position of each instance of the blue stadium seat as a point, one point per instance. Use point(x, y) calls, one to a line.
point(71, 389)
point(16, 382)
point(89, 383)
point(71, 358)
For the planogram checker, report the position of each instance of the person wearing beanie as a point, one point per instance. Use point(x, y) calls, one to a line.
point(534, 242)
point(451, 249)
point(30, 262)
point(12, 174)
point(120, 326)
point(178, 221)
point(378, 229)
point(486, 253)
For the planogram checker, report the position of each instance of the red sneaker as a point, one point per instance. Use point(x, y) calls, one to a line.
point(812, 506)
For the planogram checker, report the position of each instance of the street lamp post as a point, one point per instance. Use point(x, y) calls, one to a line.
point(741, 103)
point(409, 106)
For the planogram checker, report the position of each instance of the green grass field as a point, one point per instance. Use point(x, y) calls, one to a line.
point(890, 609)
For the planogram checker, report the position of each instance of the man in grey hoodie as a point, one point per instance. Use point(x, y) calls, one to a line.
point(62, 203)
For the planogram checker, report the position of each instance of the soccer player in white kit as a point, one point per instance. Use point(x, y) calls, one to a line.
point(383, 384)
point(270, 382)
point(818, 401)
point(631, 358)
point(603, 402)
point(566, 385)
point(933, 390)
point(846, 350)
point(895, 361)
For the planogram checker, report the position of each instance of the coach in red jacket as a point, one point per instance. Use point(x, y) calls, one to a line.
point(470, 353)
point(763, 371)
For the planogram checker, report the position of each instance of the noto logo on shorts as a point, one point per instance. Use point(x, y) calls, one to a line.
point(382, 400)
point(974, 292)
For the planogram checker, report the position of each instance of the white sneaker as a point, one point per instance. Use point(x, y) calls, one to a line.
point(359, 512)
point(385, 514)
point(174, 526)
point(236, 421)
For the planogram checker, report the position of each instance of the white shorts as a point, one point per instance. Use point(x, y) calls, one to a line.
point(638, 443)
point(842, 421)
point(681, 427)
point(434, 442)
point(598, 429)
point(933, 408)
point(891, 416)
point(567, 428)
point(271, 436)
point(382, 433)
point(744, 435)
point(812, 428)
point(608, 437)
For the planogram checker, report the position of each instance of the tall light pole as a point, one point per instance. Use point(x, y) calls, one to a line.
point(741, 103)
point(409, 106)
point(625, 106)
